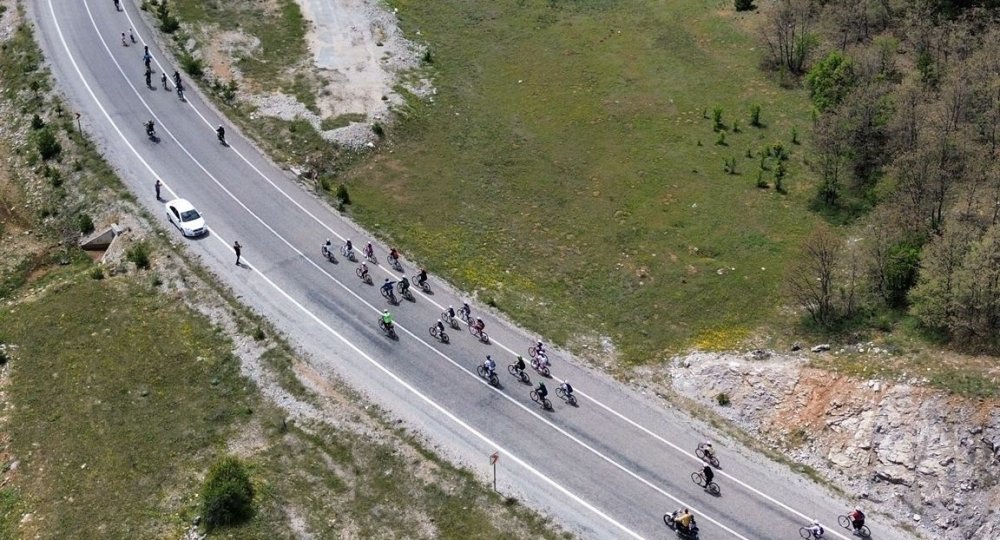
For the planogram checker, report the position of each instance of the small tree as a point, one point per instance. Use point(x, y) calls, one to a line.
point(48, 146)
point(227, 495)
point(811, 283)
point(744, 5)
point(717, 124)
point(755, 116)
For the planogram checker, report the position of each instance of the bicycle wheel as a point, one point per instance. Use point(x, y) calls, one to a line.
point(804, 532)
point(373, 259)
point(864, 532)
point(844, 522)
point(713, 488)
point(444, 338)
point(533, 395)
point(481, 371)
point(359, 273)
point(433, 331)
point(668, 520)
point(698, 478)
point(484, 337)
point(546, 404)
point(494, 380)
point(532, 351)
point(473, 330)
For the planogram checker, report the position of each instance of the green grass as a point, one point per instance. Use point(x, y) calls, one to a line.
point(558, 170)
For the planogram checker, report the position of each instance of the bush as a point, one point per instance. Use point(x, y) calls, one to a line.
point(744, 5)
point(830, 80)
point(139, 254)
point(48, 146)
point(779, 177)
point(85, 223)
point(168, 23)
point(258, 334)
point(721, 141)
point(717, 124)
point(193, 66)
point(722, 399)
point(795, 135)
point(342, 195)
point(227, 495)
point(761, 183)
point(428, 59)
point(378, 130)
point(36, 122)
point(97, 273)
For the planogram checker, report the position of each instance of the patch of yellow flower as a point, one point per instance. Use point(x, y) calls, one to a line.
point(720, 339)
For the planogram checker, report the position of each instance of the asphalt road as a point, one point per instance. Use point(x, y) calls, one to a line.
point(608, 468)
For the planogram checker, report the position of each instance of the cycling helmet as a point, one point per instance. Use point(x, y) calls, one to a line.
point(519, 357)
point(708, 444)
point(385, 312)
point(327, 240)
point(439, 321)
point(857, 508)
point(387, 280)
point(488, 357)
point(449, 307)
point(815, 522)
point(220, 126)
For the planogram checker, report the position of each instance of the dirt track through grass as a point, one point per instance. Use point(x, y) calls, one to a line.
point(559, 173)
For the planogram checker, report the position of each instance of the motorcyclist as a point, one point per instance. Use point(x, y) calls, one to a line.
point(685, 520)
point(857, 518)
point(387, 319)
point(490, 366)
point(221, 133)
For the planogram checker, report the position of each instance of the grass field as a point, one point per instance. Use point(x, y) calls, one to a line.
point(569, 173)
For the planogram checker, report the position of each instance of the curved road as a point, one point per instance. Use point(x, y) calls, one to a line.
point(608, 468)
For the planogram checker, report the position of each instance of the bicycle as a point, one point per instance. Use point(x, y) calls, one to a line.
point(533, 351)
point(348, 253)
point(405, 293)
point(698, 477)
point(545, 403)
point(370, 256)
point(710, 458)
point(465, 315)
point(540, 367)
point(389, 330)
point(845, 522)
point(518, 373)
point(439, 334)
point(390, 296)
point(424, 286)
point(394, 263)
point(328, 254)
point(366, 277)
point(448, 319)
point(804, 532)
point(568, 398)
point(480, 334)
point(492, 376)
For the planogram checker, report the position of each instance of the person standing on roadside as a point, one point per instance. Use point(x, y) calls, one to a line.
point(157, 187)
point(237, 247)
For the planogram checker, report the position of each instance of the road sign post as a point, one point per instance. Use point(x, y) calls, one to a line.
point(493, 461)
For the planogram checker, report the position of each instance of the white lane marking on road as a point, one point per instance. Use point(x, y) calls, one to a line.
point(382, 368)
point(430, 300)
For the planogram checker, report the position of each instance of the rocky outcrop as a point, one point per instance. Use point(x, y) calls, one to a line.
point(918, 454)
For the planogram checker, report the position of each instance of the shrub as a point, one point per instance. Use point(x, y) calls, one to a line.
point(156, 281)
point(755, 116)
point(830, 80)
point(258, 334)
point(193, 66)
point(761, 183)
point(227, 495)
point(717, 124)
point(97, 273)
point(139, 254)
point(795, 135)
point(54, 175)
point(36, 122)
point(48, 146)
point(721, 141)
point(342, 195)
point(736, 126)
point(729, 165)
point(428, 59)
point(168, 23)
point(378, 130)
point(85, 223)
point(779, 177)
point(722, 399)
point(778, 151)
point(744, 5)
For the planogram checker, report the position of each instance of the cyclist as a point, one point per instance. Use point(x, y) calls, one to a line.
point(707, 448)
point(404, 285)
point(177, 78)
point(709, 474)
point(348, 247)
point(369, 250)
point(422, 277)
point(815, 530)
point(221, 133)
point(466, 310)
point(440, 327)
point(387, 319)
point(519, 365)
point(364, 271)
point(394, 255)
point(387, 288)
point(163, 80)
point(326, 248)
point(568, 388)
point(857, 518)
point(541, 391)
point(540, 348)
point(480, 325)
point(450, 312)
point(490, 366)
point(150, 128)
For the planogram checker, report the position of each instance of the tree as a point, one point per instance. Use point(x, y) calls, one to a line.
point(977, 292)
point(833, 155)
point(789, 36)
point(934, 298)
point(744, 5)
point(812, 281)
point(830, 80)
